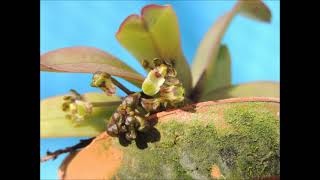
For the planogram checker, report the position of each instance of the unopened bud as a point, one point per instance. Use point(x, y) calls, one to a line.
point(129, 120)
point(146, 65)
point(155, 79)
point(77, 109)
point(173, 94)
point(103, 81)
point(157, 62)
point(150, 105)
point(112, 130)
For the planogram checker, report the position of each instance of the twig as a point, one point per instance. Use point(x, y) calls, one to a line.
point(119, 85)
point(53, 155)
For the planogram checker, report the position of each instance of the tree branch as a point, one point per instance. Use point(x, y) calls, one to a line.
point(53, 155)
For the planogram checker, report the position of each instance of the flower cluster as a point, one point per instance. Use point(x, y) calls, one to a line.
point(128, 118)
point(76, 108)
point(160, 90)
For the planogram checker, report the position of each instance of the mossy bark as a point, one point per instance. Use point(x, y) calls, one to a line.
point(230, 140)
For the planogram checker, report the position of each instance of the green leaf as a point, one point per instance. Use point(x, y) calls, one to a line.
point(54, 124)
point(155, 34)
point(253, 89)
point(209, 47)
point(217, 75)
point(88, 60)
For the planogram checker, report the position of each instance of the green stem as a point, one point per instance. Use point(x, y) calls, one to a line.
point(120, 86)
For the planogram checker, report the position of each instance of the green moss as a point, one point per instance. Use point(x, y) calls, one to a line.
point(188, 150)
point(159, 160)
point(256, 140)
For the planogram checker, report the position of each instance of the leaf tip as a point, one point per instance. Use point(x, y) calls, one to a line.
point(255, 9)
point(125, 21)
point(146, 8)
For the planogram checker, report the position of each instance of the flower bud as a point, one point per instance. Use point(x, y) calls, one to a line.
point(132, 100)
point(112, 130)
point(103, 81)
point(172, 81)
point(172, 94)
point(146, 65)
point(151, 105)
point(171, 72)
point(155, 79)
point(78, 110)
point(129, 120)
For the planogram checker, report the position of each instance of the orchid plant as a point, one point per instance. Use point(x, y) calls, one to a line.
point(153, 38)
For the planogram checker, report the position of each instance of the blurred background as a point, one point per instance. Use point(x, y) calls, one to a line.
point(254, 46)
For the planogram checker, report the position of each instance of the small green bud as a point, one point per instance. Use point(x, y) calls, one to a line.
point(146, 65)
point(103, 81)
point(143, 125)
point(77, 109)
point(171, 72)
point(162, 69)
point(157, 62)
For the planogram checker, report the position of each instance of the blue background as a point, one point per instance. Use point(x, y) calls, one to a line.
point(254, 46)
